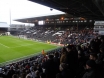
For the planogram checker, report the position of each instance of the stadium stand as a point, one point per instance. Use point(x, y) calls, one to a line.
point(60, 35)
point(82, 58)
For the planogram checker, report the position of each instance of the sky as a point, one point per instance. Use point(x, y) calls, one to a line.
point(23, 9)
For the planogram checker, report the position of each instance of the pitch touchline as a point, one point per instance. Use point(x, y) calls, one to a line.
point(4, 45)
point(23, 57)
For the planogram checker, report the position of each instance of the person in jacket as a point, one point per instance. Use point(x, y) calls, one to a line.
point(91, 71)
point(57, 61)
point(50, 67)
point(64, 71)
point(72, 58)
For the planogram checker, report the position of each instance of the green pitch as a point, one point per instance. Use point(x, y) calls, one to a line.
point(13, 49)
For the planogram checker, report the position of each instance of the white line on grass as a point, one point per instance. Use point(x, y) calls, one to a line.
point(23, 58)
point(4, 45)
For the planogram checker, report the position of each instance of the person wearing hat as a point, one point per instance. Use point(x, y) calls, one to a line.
point(91, 71)
point(90, 64)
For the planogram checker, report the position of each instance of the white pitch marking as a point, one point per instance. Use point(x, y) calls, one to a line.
point(4, 45)
point(23, 58)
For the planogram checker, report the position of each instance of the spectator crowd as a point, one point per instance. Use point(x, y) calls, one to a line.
point(81, 58)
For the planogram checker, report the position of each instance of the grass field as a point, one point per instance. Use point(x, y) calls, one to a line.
point(12, 48)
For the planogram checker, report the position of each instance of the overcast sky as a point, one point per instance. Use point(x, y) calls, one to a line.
point(23, 9)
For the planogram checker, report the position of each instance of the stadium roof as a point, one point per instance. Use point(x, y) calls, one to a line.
point(92, 9)
point(4, 25)
point(48, 18)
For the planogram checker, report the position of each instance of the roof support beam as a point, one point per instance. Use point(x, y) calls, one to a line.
point(100, 5)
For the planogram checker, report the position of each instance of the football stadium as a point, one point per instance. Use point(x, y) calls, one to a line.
point(51, 39)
